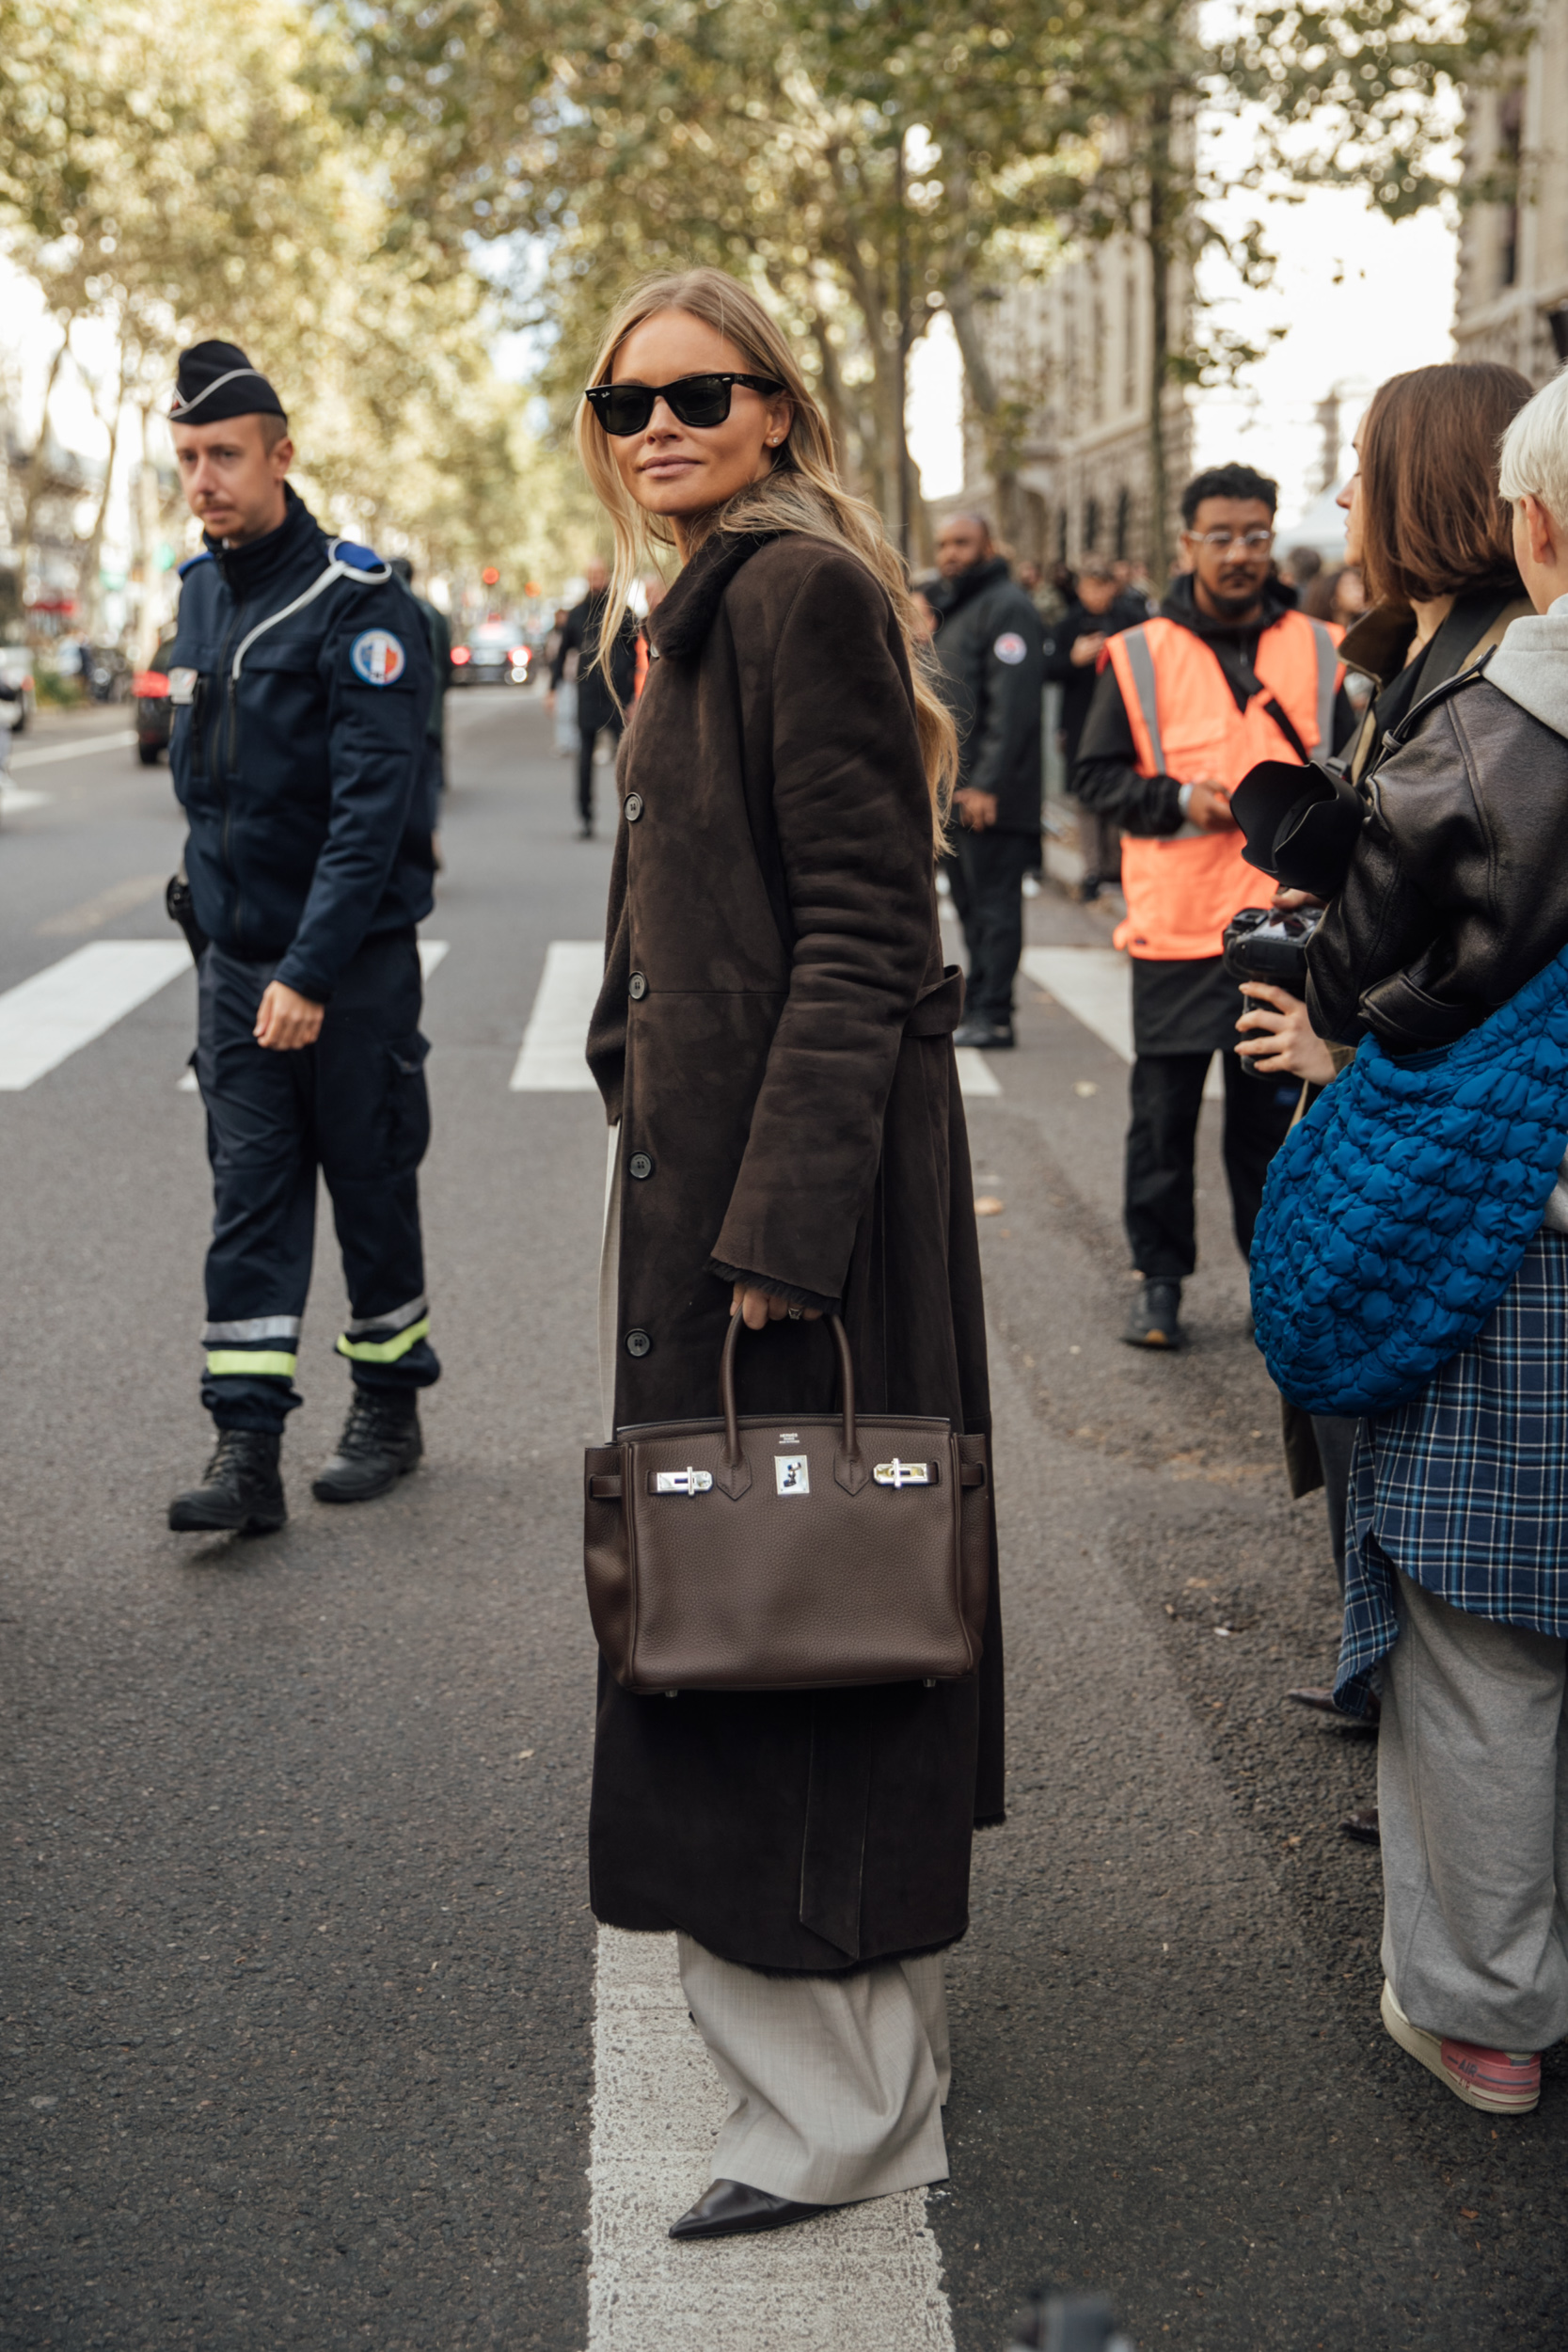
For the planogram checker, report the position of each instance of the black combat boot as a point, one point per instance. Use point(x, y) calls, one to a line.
point(381, 1441)
point(241, 1492)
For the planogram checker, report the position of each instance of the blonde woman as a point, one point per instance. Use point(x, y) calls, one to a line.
point(773, 1046)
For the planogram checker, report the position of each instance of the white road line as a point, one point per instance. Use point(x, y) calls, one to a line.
point(433, 953)
point(1095, 985)
point(13, 800)
point(64, 1007)
point(863, 2280)
point(551, 1060)
point(976, 1075)
point(47, 754)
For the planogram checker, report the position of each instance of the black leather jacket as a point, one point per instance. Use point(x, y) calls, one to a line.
point(1457, 893)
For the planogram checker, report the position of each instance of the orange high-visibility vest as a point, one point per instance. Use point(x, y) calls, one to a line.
point(1182, 891)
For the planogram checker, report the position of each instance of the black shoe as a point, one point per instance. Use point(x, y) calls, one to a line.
point(380, 1443)
point(1089, 890)
point(241, 1492)
point(1363, 1826)
point(1321, 1703)
point(1155, 1319)
point(585, 833)
point(730, 2209)
point(990, 1036)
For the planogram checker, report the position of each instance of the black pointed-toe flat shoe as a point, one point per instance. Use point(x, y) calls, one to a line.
point(730, 2209)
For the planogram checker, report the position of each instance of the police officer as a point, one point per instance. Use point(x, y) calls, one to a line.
point(301, 682)
point(990, 656)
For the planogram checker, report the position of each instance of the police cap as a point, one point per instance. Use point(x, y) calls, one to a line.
point(216, 381)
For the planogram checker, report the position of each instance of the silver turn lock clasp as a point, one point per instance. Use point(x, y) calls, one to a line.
point(897, 1474)
point(686, 1482)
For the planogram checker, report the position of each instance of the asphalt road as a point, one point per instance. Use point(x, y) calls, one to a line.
point(296, 1997)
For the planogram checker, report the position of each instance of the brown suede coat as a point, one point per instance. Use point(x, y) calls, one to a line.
point(774, 1036)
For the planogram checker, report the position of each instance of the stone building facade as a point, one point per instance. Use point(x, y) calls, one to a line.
point(1512, 287)
point(1073, 352)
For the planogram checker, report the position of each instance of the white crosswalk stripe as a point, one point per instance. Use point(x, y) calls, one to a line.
point(550, 1060)
point(48, 753)
point(1095, 985)
point(433, 953)
point(863, 2280)
point(53, 1015)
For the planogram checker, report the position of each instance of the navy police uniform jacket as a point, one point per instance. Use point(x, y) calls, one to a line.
point(300, 678)
point(990, 670)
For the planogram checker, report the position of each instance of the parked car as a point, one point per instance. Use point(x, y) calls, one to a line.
point(106, 675)
point(16, 668)
point(493, 654)
point(154, 712)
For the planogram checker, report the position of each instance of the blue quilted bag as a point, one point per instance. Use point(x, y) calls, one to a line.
point(1395, 1215)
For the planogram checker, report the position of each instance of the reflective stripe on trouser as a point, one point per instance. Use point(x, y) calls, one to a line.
point(354, 1104)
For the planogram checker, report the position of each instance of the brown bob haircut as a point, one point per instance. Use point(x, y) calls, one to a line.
point(1433, 520)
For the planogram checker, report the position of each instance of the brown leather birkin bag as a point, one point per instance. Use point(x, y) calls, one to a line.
point(797, 1552)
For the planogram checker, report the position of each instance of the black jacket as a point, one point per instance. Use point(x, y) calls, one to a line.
point(1378, 643)
point(1106, 777)
point(1457, 893)
point(990, 660)
point(301, 679)
point(580, 635)
point(1076, 680)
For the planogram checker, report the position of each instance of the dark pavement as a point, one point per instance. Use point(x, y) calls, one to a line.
point(296, 1980)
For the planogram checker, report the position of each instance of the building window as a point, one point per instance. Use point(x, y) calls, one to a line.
point(1124, 519)
point(1129, 338)
point(1061, 534)
point(1091, 526)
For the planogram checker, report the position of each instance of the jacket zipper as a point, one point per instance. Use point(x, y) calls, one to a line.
point(220, 773)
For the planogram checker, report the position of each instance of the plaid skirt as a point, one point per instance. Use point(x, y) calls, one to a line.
point(1465, 1489)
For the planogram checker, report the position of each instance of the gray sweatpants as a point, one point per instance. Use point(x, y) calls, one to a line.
point(1472, 1785)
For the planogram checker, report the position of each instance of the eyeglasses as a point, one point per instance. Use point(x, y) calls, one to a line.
point(696, 400)
point(1255, 542)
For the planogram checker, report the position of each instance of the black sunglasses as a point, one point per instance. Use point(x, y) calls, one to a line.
point(697, 400)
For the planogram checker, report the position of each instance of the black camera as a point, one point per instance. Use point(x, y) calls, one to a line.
point(1262, 945)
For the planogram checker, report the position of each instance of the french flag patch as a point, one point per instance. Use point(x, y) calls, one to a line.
point(378, 657)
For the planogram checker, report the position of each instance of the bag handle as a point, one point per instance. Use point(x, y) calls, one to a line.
point(734, 1475)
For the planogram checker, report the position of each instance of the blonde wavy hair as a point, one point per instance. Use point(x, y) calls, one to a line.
point(803, 493)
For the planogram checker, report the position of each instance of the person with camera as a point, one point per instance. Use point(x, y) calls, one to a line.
point(1424, 521)
point(1447, 944)
point(1226, 674)
point(773, 1042)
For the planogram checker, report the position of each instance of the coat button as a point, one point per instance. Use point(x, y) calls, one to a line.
point(637, 987)
point(634, 807)
point(638, 1344)
point(640, 1166)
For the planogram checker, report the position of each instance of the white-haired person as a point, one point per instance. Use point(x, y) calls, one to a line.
point(1457, 1567)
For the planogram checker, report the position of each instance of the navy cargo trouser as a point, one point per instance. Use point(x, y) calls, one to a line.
point(353, 1104)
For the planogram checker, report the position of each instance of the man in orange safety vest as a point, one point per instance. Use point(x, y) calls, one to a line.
point(1227, 674)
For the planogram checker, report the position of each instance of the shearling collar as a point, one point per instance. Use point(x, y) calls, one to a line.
point(679, 626)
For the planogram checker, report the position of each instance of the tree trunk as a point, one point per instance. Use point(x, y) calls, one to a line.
point(1158, 240)
point(986, 395)
point(89, 586)
point(38, 480)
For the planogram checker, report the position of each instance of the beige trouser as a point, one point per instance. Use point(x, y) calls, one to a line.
point(1472, 1785)
point(836, 2083)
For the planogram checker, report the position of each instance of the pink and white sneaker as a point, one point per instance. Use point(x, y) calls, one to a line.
point(1504, 2082)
